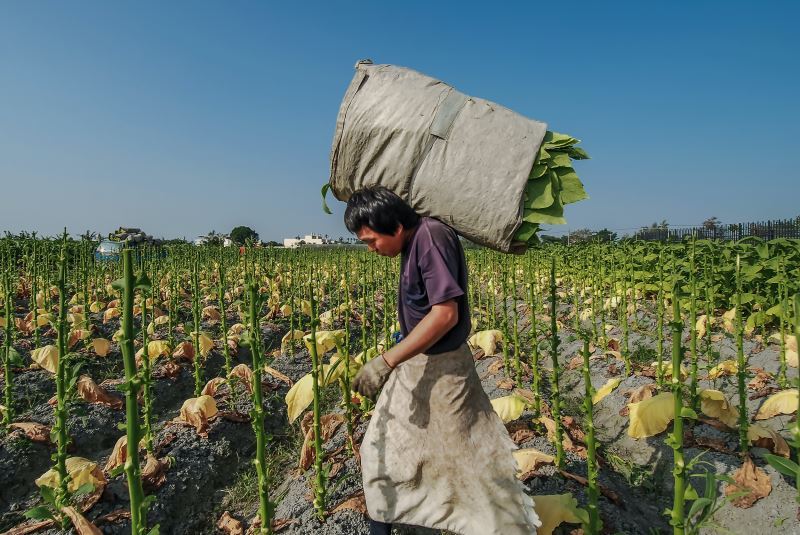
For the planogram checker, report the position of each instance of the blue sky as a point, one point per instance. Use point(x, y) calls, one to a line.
point(183, 117)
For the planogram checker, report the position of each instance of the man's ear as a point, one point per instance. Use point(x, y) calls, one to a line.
point(399, 230)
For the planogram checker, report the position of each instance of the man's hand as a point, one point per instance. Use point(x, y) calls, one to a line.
point(371, 377)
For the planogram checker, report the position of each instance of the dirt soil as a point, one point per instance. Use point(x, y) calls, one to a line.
point(209, 475)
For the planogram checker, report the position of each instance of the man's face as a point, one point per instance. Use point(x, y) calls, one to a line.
point(383, 244)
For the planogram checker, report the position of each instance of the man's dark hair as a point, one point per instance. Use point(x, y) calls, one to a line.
point(379, 209)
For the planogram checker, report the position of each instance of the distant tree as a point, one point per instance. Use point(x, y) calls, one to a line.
point(273, 244)
point(605, 235)
point(213, 238)
point(241, 234)
point(580, 235)
point(712, 223)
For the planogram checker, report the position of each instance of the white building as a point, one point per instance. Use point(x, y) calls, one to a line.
point(308, 239)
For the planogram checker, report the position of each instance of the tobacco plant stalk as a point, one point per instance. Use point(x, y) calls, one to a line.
point(133, 383)
point(675, 439)
point(554, 377)
point(266, 508)
point(595, 524)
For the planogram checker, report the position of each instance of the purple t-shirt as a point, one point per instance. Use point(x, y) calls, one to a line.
point(433, 270)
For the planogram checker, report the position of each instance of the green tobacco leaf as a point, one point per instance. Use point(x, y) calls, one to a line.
point(785, 466)
point(324, 192)
point(539, 193)
point(537, 171)
point(39, 513)
point(143, 282)
point(698, 506)
point(118, 284)
point(526, 231)
point(14, 358)
point(571, 186)
point(687, 412)
point(552, 215)
point(577, 153)
point(559, 159)
point(554, 139)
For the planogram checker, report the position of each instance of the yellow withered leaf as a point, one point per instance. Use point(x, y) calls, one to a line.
point(651, 416)
point(212, 385)
point(117, 336)
point(305, 307)
point(81, 472)
point(75, 318)
point(790, 345)
point(486, 340)
point(46, 357)
point(784, 402)
point(701, 325)
point(713, 403)
point(76, 335)
point(155, 349)
point(529, 459)
point(606, 389)
point(197, 411)
point(291, 335)
point(555, 509)
point(211, 313)
point(667, 367)
point(244, 374)
point(326, 340)
point(236, 329)
point(96, 307)
point(509, 408)
point(286, 310)
point(206, 344)
point(299, 396)
point(326, 319)
point(44, 319)
point(726, 367)
point(764, 437)
point(101, 346)
point(161, 320)
point(110, 314)
point(729, 320)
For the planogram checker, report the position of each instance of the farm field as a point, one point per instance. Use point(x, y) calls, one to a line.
point(649, 387)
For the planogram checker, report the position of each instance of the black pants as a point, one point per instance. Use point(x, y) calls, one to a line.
point(379, 528)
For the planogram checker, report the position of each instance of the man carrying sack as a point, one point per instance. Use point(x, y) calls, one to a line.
point(435, 454)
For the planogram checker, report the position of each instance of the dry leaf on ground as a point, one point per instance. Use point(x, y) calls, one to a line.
point(230, 525)
point(355, 502)
point(328, 425)
point(35, 432)
point(91, 392)
point(197, 412)
point(79, 522)
point(749, 477)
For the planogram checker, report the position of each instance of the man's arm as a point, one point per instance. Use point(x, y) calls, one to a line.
point(435, 324)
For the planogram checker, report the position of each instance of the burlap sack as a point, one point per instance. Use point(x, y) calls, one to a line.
point(460, 159)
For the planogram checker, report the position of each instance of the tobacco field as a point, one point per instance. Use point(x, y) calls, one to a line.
point(650, 387)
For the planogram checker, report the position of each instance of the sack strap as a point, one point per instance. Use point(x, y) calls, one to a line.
point(447, 112)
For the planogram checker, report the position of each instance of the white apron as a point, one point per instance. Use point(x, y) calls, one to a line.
point(435, 454)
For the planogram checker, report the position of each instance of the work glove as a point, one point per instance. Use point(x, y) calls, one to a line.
point(371, 377)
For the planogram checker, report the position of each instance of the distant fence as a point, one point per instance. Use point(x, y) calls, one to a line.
point(767, 230)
